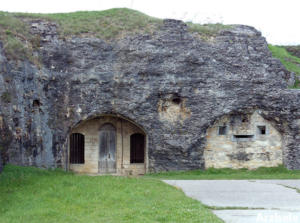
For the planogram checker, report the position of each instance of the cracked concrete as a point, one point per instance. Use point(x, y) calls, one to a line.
point(278, 200)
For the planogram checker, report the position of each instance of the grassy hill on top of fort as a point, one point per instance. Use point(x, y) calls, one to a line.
point(291, 62)
point(110, 24)
point(19, 43)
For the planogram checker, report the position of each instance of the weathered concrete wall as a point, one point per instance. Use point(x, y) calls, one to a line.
point(224, 150)
point(1, 163)
point(5, 139)
point(138, 77)
point(124, 129)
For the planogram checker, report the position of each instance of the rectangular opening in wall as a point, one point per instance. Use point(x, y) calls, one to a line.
point(77, 148)
point(262, 129)
point(222, 130)
point(243, 137)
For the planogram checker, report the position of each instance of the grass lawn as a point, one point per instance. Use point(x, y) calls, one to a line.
point(28, 194)
point(279, 172)
point(32, 195)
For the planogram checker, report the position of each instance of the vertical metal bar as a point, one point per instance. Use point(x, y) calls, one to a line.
point(70, 155)
point(122, 161)
point(134, 148)
point(76, 148)
point(73, 144)
point(143, 149)
point(72, 138)
point(72, 148)
point(131, 148)
point(82, 148)
point(77, 144)
point(67, 154)
point(79, 148)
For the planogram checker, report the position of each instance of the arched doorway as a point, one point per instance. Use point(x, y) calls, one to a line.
point(107, 149)
point(112, 145)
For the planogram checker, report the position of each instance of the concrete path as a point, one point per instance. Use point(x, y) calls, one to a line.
point(269, 201)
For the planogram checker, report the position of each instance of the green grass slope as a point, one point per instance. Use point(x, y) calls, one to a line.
point(15, 36)
point(19, 43)
point(33, 195)
point(108, 25)
point(291, 63)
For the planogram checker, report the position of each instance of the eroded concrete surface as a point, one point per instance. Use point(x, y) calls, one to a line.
point(173, 84)
point(255, 149)
point(269, 201)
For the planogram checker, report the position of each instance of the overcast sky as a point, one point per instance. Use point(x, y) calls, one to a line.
point(278, 20)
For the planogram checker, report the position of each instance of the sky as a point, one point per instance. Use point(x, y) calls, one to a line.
point(278, 20)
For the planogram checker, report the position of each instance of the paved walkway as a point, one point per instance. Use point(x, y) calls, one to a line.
point(268, 201)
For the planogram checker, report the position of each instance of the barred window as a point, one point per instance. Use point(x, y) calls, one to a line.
point(137, 148)
point(77, 148)
point(222, 130)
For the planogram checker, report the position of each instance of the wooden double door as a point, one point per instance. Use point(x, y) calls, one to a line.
point(107, 149)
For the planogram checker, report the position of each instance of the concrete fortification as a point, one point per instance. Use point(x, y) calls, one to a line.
point(170, 100)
